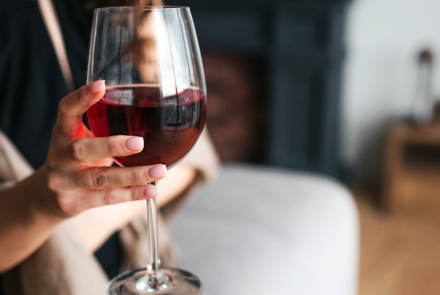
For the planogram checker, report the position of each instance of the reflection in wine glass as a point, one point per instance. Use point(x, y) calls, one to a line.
point(145, 57)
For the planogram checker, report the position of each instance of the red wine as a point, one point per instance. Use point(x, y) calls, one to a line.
point(169, 125)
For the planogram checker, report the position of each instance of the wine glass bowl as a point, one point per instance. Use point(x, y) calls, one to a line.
point(170, 126)
point(150, 60)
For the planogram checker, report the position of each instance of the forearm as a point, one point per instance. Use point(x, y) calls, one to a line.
point(26, 221)
point(96, 225)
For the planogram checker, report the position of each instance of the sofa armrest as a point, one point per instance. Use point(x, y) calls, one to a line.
point(267, 231)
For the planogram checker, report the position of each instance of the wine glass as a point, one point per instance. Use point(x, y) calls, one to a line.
point(150, 60)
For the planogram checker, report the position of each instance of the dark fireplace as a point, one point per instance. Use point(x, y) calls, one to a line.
point(273, 72)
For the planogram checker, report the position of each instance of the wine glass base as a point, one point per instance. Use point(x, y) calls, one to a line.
point(170, 281)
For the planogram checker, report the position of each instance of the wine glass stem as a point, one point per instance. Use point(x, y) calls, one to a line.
point(153, 254)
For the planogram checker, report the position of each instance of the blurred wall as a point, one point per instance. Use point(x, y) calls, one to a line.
point(383, 38)
point(299, 45)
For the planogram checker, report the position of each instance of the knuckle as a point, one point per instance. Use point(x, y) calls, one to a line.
point(135, 178)
point(135, 193)
point(108, 197)
point(112, 146)
point(62, 107)
point(100, 179)
point(53, 181)
point(67, 205)
point(77, 150)
point(64, 204)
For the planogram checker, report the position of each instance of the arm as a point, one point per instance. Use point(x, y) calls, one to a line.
point(24, 225)
point(71, 181)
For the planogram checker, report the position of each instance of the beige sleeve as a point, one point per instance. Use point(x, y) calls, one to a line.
point(62, 265)
point(67, 266)
point(13, 167)
point(204, 158)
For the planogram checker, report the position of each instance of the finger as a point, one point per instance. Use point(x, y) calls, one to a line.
point(84, 150)
point(100, 178)
point(93, 198)
point(73, 106)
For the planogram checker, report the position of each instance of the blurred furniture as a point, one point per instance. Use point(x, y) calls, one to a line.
point(265, 231)
point(300, 43)
point(237, 108)
point(412, 179)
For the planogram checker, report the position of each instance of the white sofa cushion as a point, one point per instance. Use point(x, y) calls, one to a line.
point(265, 231)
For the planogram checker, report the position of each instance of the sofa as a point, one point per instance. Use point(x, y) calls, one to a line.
point(259, 230)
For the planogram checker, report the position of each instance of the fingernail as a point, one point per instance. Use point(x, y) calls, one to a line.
point(151, 192)
point(134, 143)
point(157, 171)
point(97, 86)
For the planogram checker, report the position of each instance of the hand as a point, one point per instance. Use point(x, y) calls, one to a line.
point(77, 175)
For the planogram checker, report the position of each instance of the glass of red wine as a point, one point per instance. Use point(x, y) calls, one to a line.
point(150, 60)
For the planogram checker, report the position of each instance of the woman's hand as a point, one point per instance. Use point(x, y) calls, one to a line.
point(74, 178)
point(78, 176)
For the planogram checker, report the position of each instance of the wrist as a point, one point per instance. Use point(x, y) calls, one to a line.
point(26, 219)
point(31, 200)
point(44, 202)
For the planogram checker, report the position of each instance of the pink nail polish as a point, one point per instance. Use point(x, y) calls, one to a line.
point(134, 143)
point(151, 192)
point(157, 171)
point(97, 86)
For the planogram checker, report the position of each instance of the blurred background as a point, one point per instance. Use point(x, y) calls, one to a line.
point(342, 88)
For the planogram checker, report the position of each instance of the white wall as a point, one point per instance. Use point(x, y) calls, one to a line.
point(383, 39)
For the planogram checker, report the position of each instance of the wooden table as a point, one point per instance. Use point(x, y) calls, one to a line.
point(412, 178)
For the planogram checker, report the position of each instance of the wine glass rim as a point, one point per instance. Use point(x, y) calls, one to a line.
point(163, 7)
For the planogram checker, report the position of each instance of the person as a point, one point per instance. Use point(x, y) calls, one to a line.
point(45, 213)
